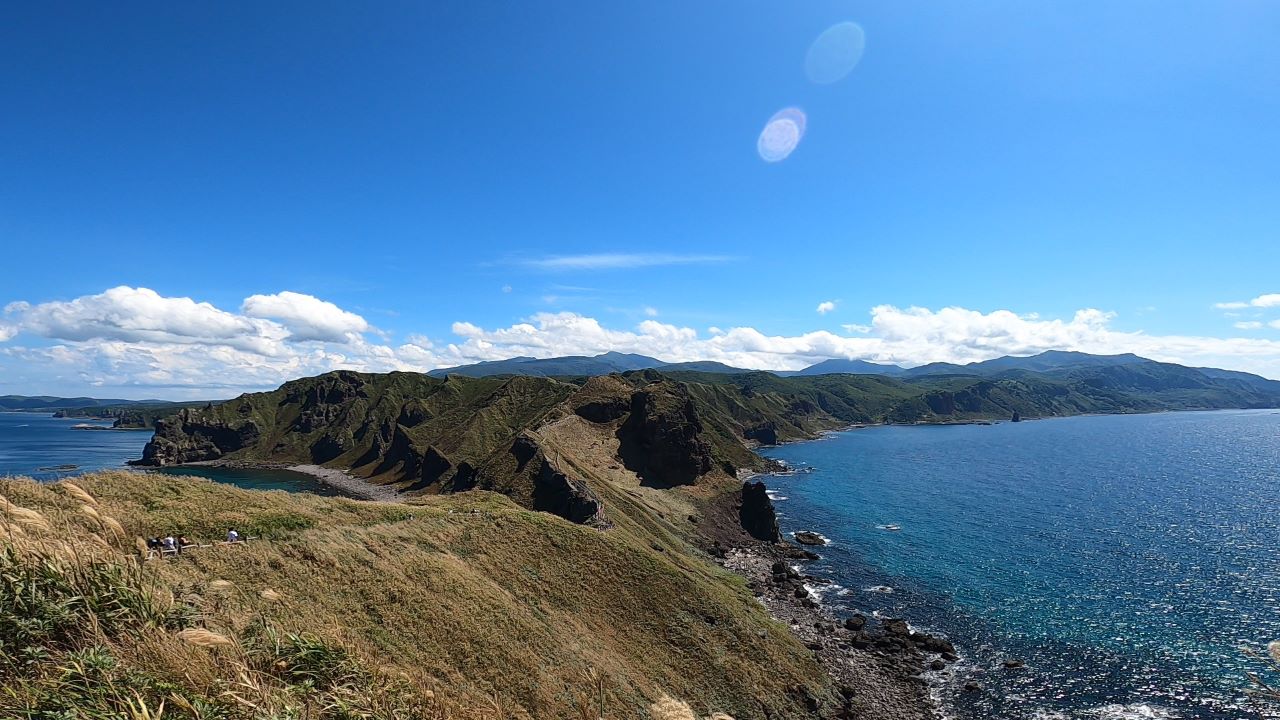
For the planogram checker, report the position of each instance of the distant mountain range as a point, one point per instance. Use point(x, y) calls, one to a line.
point(580, 366)
point(1129, 371)
point(1045, 362)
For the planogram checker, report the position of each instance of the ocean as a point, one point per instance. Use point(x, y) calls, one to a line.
point(1125, 559)
point(36, 444)
point(46, 448)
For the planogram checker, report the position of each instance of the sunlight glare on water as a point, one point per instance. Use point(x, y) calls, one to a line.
point(781, 135)
point(835, 53)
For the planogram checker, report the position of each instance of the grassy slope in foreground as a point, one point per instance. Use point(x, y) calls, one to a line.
point(451, 606)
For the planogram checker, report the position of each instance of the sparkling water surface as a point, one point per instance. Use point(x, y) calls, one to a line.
point(1125, 559)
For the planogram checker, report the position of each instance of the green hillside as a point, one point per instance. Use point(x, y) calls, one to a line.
point(421, 434)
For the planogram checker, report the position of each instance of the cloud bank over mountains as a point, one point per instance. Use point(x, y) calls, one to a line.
point(179, 347)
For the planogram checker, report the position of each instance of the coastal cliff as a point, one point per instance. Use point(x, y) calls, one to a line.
point(423, 435)
point(416, 434)
point(652, 462)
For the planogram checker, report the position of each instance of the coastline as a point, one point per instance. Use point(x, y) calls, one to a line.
point(878, 666)
point(354, 487)
point(983, 675)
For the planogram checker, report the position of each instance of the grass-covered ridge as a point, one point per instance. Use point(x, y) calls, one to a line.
point(426, 435)
point(454, 606)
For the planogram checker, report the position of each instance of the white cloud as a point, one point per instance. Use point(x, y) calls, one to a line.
point(178, 347)
point(651, 312)
point(1248, 325)
point(506, 288)
point(615, 261)
point(1275, 324)
point(909, 336)
point(826, 306)
point(1269, 300)
point(142, 315)
point(306, 317)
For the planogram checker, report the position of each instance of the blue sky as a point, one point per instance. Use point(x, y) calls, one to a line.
point(479, 179)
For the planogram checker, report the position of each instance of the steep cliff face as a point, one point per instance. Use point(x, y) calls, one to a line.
point(543, 484)
point(663, 437)
point(756, 513)
point(195, 436)
point(424, 435)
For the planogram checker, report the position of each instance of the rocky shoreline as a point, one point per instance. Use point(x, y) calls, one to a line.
point(878, 666)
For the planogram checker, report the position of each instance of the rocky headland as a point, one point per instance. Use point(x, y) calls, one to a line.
point(654, 458)
point(638, 454)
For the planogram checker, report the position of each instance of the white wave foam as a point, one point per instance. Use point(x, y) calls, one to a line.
point(819, 590)
point(825, 540)
point(1135, 711)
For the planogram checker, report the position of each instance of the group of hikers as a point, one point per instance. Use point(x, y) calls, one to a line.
point(170, 545)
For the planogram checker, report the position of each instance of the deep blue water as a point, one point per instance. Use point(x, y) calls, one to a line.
point(1125, 558)
point(32, 441)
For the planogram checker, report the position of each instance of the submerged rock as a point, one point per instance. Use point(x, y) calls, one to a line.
point(806, 537)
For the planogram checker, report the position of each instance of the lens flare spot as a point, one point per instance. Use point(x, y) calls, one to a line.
point(835, 53)
point(781, 135)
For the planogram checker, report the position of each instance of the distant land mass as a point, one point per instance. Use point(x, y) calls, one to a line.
point(124, 414)
point(1214, 388)
point(48, 403)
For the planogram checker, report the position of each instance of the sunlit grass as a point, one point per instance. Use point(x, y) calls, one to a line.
point(455, 607)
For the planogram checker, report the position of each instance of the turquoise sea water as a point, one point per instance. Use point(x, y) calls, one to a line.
point(32, 441)
point(1126, 559)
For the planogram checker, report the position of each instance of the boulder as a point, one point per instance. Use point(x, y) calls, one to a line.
point(897, 627)
point(805, 537)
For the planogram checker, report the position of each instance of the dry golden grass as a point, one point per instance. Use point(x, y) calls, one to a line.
point(501, 612)
point(205, 638)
